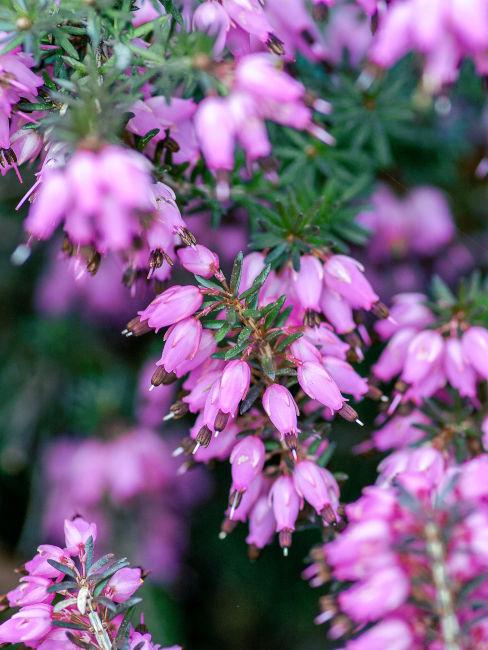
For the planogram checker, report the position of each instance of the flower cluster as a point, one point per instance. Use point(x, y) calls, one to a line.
point(411, 564)
point(271, 327)
point(442, 32)
point(427, 354)
point(67, 599)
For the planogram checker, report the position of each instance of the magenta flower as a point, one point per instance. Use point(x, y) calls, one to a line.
point(475, 349)
point(234, 384)
point(181, 343)
point(281, 409)
point(262, 524)
point(77, 531)
point(28, 625)
point(460, 373)
point(319, 385)
point(286, 506)
point(211, 18)
point(247, 460)
point(123, 584)
point(423, 353)
point(317, 486)
point(199, 260)
point(345, 276)
point(346, 378)
point(98, 196)
point(307, 282)
point(174, 304)
point(337, 311)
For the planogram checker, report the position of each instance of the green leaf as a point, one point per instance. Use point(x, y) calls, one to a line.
point(208, 284)
point(252, 395)
point(257, 284)
point(89, 552)
point(235, 276)
point(244, 334)
point(62, 586)
point(105, 559)
point(69, 625)
point(288, 340)
point(236, 351)
point(173, 11)
point(116, 566)
point(62, 568)
point(268, 366)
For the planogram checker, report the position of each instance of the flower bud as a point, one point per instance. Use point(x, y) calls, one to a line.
point(212, 19)
point(302, 350)
point(199, 260)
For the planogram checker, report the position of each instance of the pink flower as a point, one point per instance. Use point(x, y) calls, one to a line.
point(31, 590)
point(247, 460)
point(423, 352)
point(174, 304)
point(262, 524)
point(123, 584)
point(77, 532)
point(317, 486)
point(234, 384)
point(475, 349)
point(379, 594)
point(250, 16)
point(345, 276)
point(28, 625)
point(393, 357)
point(286, 506)
point(281, 409)
point(459, 371)
point(392, 633)
point(199, 260)
point(347, 379)
point(181, 343)
point(99, 196)
point(307, 282)
point(215, 131)
point(211, 18)
point(319, 385)
point(302, 350)
point(337, 311)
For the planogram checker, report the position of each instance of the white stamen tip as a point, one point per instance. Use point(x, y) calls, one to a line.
point(285, 551)
point(20, 255)
point(177, 452)
point(222, 535)
point(197, 447)
point(383, 398)
point(152, 387)
point(168, 416)
point(358, 421)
